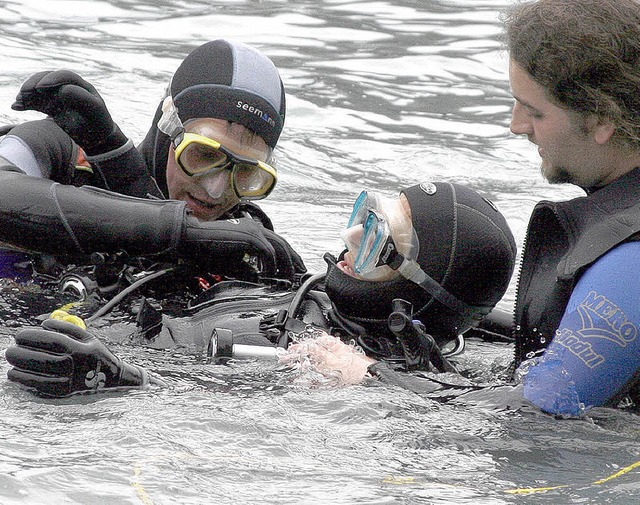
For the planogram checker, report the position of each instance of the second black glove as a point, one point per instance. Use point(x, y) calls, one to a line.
point(60, 359)
point(75, 105)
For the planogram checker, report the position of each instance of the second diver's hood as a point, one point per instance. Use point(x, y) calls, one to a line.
point(465, 245)
point(220, 79)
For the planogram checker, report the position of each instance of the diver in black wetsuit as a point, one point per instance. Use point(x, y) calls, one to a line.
point(209, 150)
point(419, 270)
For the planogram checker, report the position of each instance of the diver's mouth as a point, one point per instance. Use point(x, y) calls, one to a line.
point(346, 268)
point(202, 203)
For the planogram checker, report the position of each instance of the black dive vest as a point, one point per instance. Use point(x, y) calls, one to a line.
point(562, 240)
point(254, 314)
point(257, 315)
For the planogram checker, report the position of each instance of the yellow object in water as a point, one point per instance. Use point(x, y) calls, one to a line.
point(70, 318)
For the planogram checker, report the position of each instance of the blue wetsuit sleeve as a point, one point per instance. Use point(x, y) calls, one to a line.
point(595, 354)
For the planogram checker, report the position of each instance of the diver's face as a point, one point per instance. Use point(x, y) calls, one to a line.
point(397, 214)
point(570, 147)
point(209, 196)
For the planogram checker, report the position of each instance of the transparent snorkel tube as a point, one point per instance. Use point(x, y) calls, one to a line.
point(170, 122)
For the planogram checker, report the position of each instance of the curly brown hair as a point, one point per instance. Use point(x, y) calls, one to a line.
point(586, 54)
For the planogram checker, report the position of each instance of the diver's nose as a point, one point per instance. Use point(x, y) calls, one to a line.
point(520, 122)
point(217, 183)
point(352, 237)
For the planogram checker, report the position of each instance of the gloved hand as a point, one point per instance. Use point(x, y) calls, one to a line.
point(215, 244)
point(289, 264)
point(54, 151)
point(75, 106)
point(60, 359)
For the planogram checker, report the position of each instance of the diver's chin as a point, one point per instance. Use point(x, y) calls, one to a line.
point(556, 174)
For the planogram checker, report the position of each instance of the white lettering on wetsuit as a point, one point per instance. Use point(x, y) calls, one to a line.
point(615, 327)
point(583, 350)
point(622, 331)
point(254, 110)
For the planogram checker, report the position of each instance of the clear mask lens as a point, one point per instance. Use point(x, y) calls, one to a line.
point(375, 235)
point(199, 156)
point(251, 180)
point(359, 211)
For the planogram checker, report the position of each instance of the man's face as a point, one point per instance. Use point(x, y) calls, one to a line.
point(571, 148)
point(210, 196)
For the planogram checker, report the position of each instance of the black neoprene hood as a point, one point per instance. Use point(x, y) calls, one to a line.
point(465, 245)
point(465, 242)
point(233, 81)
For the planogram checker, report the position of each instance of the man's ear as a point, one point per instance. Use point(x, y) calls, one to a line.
point(602, 130)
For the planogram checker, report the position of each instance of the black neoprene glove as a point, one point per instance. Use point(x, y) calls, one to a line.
point(53, 149)
point(213, 244)
point(289, 264)
point(60, 359)
point(75, 106)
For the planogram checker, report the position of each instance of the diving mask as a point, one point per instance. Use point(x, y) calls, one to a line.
point(199, 156)
point(368, 235)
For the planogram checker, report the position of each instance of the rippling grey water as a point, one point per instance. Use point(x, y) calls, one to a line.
point(381, 94)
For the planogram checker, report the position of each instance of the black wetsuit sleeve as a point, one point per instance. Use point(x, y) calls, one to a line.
point(388, 375)
point(423, 383)
point(497, 326)
point(44, 216)
point(124, 171)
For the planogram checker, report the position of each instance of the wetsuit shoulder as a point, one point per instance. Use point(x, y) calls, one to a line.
point(594, 357)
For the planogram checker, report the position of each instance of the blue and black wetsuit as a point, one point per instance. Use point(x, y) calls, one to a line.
point(593, 358)
point(577, 298)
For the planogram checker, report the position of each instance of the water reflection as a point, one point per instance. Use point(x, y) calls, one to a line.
point(380, 94)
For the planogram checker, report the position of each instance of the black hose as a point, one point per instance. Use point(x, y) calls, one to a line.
point(122, 294)
point(296, 302)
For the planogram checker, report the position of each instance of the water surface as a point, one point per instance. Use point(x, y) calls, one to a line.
point(381, 94)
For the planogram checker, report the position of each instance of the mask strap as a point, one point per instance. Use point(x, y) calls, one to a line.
point(412, 271)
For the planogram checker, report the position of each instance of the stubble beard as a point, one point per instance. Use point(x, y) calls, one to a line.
point(556, 175)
